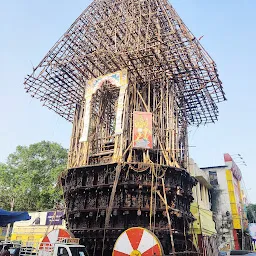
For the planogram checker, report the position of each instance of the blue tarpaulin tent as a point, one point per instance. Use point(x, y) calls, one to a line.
point(10, 217)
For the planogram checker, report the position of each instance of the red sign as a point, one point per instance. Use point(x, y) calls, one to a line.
point(142, 130)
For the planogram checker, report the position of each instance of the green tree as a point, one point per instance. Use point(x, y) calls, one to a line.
point(30, 176)
point(251, 213)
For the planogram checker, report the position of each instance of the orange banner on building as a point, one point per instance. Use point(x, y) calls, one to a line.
point(142, 130)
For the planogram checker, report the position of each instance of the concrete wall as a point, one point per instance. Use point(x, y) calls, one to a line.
point(222, 202)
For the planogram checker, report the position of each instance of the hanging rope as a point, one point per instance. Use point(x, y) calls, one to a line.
point(141, 167)
point(184, 230)
point(151, 197)
point(168, 218)
point(155, 195)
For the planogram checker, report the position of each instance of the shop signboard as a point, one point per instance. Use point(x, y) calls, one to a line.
point(54, 218)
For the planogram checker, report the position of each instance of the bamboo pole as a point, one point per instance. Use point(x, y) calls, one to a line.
point(169, 219)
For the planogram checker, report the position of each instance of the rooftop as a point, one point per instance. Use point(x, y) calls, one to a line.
point(213, 167)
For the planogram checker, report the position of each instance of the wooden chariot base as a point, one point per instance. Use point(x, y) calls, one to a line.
point(105, 200)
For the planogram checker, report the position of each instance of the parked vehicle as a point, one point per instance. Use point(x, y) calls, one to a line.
point(57, 249)
point(63, 247)
point(241, 252)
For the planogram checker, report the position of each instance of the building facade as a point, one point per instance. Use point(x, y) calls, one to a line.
point(227, 204)
point(204, 224)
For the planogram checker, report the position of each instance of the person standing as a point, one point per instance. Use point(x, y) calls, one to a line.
point(5, 251)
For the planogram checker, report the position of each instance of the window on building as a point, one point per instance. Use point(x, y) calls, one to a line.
point(210, 199)
point(213, 178)
point(18, 238)
point(207, 197)
point(201, 192)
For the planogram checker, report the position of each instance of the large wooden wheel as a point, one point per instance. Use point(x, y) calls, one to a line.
point(137, 241)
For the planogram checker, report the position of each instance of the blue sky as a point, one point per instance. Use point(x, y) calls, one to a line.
point(30, 28)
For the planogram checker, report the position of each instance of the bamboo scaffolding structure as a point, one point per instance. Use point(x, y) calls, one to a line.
point(137, 35)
